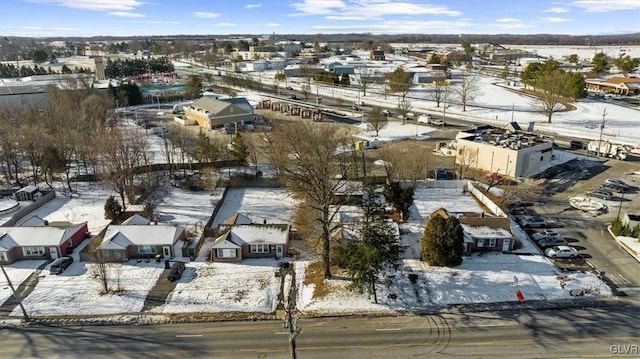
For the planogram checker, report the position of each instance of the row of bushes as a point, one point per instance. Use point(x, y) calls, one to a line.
point(620, 229)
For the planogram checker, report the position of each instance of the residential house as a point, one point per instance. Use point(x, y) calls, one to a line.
point(348, 192)
point(39, 241)
point(482, 233)
point(486, 234)
point(123, 242)
point(209, 112)
point(241, 240)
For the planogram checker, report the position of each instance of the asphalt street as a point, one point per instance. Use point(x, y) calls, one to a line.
point(503, 334)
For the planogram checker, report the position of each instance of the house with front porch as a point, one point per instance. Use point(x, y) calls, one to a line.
point(124, 242)
point(482, 233)
point(239, 238)
point(39, 241)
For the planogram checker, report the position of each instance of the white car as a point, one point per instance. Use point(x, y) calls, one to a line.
point(561, 252)
point(438, 123)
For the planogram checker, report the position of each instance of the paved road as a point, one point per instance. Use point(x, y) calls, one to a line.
point(507, 334)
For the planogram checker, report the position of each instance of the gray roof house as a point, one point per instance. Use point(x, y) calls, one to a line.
point(123, 242)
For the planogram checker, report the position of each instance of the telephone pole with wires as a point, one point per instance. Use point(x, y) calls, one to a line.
point(291, 322)
point(13, 292)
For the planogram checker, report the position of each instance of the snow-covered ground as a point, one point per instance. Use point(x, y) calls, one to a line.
point(252, 286)
point(18, 272)
point(225, 287)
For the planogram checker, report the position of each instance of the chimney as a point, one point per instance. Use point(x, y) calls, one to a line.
point(46, 223)
point(264, 221)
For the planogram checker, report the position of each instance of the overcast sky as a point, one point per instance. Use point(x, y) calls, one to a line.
point(170, 17)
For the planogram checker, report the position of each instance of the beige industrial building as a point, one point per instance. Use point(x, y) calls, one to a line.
point(507, 151)
point(209, 112)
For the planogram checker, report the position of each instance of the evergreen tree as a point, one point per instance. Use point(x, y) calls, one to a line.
point(112, 208)
point(442, 241)
point(377, 249)
point(239, 148)
point(400, 198)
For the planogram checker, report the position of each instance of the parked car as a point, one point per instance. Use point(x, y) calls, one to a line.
point(519, 211)
point(533, 222)
point(176, 271)
point(59, 265)
point(551, 242)
point(290, 88)
point(616, 182)
point(577, 145)
point(387, 113)
point(547, 233)
point(438, 123)
point(614, 187)
point(561, 252)
point(355, 108)
point(600, 193)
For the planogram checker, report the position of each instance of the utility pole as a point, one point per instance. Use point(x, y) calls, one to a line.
point(444, 107)
point(604, 114)
point(13, 291)
point(291, 323)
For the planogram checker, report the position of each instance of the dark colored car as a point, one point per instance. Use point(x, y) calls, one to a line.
point(59, 265)
point(176, 271)
point(577, 145)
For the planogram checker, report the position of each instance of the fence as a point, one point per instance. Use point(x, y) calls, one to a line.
point(48, 196)
point(206, 231)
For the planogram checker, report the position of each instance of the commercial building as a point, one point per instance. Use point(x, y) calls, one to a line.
point(506, 151)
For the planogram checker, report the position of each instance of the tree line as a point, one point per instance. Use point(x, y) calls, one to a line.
point(11, 71)
point(127, 68)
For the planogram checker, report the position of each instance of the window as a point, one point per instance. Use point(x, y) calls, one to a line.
point(33, 251)
point(259, 248)
point(480, 243)
point(146, 249)
point(3, 256)
point(225, 253)
point(492, 242)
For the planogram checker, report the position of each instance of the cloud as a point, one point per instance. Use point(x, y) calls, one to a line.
point(399, 26)
point(95, 5)
point(555, 19)
point(367, 9)
point(125, 14)
point(156, 22)
point(252, 6)
point(506, 20)
point(556, 10)
point(318, 7)
point(206, 15)
point(606, 5)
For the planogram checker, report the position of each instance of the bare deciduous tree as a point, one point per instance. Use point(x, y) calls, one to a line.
point(404, 165)
point(550, 90)
point(377, 120)
point(467, 90)
point(439, 90)
point(309, 165)
point(122, 151)
point(403, 108)
point(466, 158)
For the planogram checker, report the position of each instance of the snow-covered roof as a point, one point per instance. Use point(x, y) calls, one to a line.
point(120, 237)
point(11, 237)
point(486, 227)
point(238, 218)
point(28, 189)
point(255, 234)
point(136, 220)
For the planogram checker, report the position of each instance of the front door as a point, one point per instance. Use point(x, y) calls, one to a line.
point(166, 251)
point(54, 252)
point(279, 252)
point(505, 245)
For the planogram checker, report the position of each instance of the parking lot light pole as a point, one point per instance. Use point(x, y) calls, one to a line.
point(620, 206)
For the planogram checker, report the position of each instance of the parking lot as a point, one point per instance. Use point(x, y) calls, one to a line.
point(586, 231)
